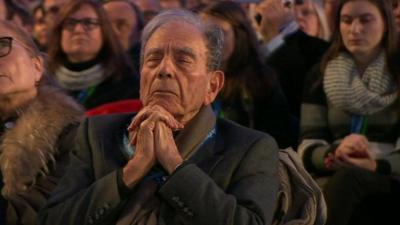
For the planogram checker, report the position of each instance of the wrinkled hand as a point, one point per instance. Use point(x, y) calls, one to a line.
point(151, 133)
point(167, 153)
point(144, 158)
point(274, 16)
point(152, 113)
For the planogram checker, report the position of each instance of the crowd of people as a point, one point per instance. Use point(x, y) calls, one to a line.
point(175, 111)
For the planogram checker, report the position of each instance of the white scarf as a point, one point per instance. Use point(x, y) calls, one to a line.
point(361, 95)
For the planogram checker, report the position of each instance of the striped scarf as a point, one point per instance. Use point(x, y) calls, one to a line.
point(360, 95)
point(80, 80)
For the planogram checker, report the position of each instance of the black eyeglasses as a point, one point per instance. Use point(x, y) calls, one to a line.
point(5, 46)
point(88, 24)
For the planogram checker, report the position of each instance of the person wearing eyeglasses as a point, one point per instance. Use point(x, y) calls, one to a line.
point(87, 59)
point(37, 127)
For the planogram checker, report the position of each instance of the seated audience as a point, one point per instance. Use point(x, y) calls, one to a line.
point(176, 163)
point(86, 58)
point(36, 130)
point(251, 95)
point(350, 123)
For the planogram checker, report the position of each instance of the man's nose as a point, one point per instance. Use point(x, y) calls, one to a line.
point(166, 68)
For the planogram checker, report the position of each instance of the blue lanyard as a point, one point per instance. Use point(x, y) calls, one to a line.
point(358, 124)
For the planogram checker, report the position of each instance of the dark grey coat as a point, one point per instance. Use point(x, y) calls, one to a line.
point(230, 180)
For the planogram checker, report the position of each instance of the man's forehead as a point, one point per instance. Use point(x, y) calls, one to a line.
point(177, 35)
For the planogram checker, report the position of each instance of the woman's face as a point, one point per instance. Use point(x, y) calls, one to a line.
point(19, 71)
point(81, 38)
point(362, 28)
point(229, 35)
point(307, 17)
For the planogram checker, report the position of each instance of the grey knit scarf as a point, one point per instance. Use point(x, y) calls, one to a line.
point(79, 80)
point(361, 95)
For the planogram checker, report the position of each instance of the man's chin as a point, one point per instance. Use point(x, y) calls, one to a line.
point(171, 106)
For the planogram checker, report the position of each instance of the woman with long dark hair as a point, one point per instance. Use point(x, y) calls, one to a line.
point(350, 115)
point(251, 95)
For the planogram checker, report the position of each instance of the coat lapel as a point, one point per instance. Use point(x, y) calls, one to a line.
point(209, 155)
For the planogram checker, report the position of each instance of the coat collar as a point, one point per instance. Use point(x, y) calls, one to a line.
point(30, 147)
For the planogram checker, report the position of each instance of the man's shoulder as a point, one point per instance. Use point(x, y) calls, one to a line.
point(237, 134)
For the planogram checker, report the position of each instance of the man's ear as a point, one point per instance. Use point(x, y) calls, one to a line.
point(215, 84)
point(38, 64)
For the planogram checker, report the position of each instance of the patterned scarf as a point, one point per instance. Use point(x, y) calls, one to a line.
point(144, 206)
point(80, 80)
point(360, 95)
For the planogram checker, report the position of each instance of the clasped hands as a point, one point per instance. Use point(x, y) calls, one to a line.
point(151, 133)
point(353, 151)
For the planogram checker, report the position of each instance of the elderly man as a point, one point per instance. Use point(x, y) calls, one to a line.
point(175, 163)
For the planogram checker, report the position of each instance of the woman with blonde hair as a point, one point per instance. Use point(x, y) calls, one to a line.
point(37, 127)
point(311, 17)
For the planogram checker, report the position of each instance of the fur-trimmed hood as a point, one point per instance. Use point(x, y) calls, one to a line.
point(29, 148)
